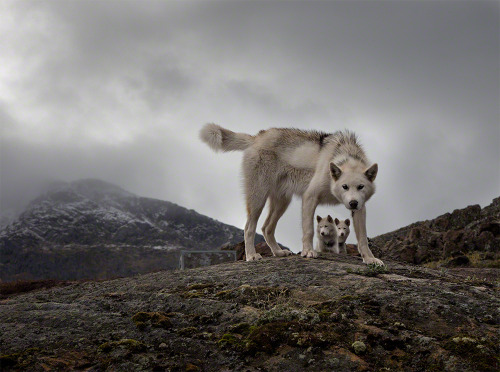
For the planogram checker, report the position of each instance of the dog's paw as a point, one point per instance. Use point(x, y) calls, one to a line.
point(309, 254)
point(373, 261)
point(283, 253)
point(254, 257)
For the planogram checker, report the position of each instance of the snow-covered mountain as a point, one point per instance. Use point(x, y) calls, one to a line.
point(97, 218)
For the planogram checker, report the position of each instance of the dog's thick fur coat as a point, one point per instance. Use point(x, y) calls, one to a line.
point(281, 162)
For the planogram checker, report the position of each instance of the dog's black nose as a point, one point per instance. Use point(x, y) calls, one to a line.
point(322, 233)
point(353, 204)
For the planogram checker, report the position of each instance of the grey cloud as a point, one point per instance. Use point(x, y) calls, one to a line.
point(418, 81)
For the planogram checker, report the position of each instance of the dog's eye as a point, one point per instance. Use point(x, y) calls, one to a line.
point(360, 187)
point(345, 187)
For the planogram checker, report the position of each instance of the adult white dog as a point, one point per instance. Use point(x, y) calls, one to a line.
point(281, 162)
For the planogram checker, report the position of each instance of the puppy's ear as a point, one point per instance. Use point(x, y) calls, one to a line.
point(318, 218)
point(329, 219)
point(335, 171)
point(371, 172)
point(348, 222)
point(337, 221)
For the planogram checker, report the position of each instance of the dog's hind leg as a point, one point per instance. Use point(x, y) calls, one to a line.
point(277, 206)
point(255, 204)
point(359, 220)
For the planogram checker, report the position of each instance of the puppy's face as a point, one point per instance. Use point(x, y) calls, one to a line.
point(325, 228)
point(342, 229)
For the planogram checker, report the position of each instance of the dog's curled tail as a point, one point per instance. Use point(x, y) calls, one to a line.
point(221, 139)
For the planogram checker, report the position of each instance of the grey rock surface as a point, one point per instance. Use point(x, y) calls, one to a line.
point(277, 314)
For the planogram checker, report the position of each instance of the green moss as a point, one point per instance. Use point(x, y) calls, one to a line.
point(241, 328)
point(286, 313)
point(269, 336)
point(141, 317)
point(229, 340)
point(160, 320)
point(482, 354)
point(197, 290)
point(325, 315)
point(130, 344)
point(346, 298)
point(156, 319)
point(358, 347)
point(106, 347)
point(187, 332)
point(374, 270)
point(224, 293)
point(193, 294)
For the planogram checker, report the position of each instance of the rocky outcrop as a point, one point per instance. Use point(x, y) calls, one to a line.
point(469, 236)
point(277, 314)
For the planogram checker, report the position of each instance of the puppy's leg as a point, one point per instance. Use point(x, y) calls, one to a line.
point(336, 246)
point(309, 204)
point(319, 247)
point(344, 248)
point(359, 219)
point(277, 206)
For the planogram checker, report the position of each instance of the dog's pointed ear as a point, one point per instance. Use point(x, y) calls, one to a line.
point(329, 219)
point(348, 222)
point(371, 172)
point(335, 171)
point(318, 218)
point(337, 221)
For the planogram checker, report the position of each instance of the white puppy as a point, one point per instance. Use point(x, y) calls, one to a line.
point(342, 233)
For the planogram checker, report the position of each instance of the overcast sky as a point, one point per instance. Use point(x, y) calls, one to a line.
point(119, 90)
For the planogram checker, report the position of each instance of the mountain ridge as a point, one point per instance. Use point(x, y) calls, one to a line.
point(100, 219)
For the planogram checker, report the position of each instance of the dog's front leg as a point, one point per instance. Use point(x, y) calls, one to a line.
point(359, 219)
point(309, 204)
